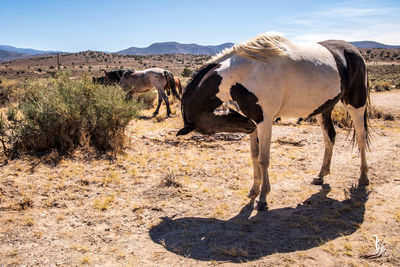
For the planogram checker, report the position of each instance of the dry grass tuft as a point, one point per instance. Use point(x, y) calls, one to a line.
point(85, 259)
point(169, 180)
point(104, 203)
point(382, 86)
point(341, 117)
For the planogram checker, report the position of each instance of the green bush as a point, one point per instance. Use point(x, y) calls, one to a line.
point(187, 72)
point(63, 114)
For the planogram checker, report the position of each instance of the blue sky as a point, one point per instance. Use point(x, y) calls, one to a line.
point(77, 25)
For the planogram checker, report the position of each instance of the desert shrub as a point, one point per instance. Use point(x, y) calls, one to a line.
point(2, 128)
point(7, 90)
point(63, 114)
point(341, 117)
point(383, 86)
point(147, 99)
point(187, 72)
point(377, 113)
point(5, 93)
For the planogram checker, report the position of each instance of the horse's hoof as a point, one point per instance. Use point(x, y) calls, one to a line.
point(253, 194)
point(317, 181)
point(261, 206)
point(363, 182)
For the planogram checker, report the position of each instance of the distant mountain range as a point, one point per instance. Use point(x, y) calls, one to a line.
point(8, 53)
point(27, 51)
point(372, 44)
point(175, 48)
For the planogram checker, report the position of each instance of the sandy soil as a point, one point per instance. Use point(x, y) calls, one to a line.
point(171, 201)
point(388, 101)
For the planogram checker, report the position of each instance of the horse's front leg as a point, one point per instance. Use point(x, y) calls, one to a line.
point(158, 105)
point(264, 135)
point(255, 189)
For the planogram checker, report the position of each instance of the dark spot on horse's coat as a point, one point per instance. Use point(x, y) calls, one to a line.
point(199, 102)
point(328, 105)
point(197, 77)
point(114, 76)
point(247, 102)
point(196, 101)
point(352, 72)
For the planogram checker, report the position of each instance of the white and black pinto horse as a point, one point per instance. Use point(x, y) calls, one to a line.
point(133, 81)
point(269, 77)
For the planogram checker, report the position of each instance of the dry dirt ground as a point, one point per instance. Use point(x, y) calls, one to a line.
point(170, 201)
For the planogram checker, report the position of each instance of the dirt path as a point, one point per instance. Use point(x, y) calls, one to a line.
point(387, 101)
point(172, 201)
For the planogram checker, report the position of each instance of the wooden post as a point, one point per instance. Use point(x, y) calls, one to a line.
point(58, 61)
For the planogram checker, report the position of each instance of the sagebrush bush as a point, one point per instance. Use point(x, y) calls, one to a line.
point(341, 117)
point(7, 89)
point(63, 114)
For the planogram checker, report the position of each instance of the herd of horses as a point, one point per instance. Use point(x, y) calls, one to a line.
point(268, 77)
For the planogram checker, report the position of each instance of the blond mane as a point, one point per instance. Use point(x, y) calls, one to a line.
point(262, 47)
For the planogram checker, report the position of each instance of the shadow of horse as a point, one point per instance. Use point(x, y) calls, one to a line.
point(146, 117)
point(243, 238)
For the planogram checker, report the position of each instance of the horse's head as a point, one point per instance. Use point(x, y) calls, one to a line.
point(199, 102)
point(99, 80)
point(113, 76)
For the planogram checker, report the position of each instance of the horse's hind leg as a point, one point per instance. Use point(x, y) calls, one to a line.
point(329, 134)
point(359, 121)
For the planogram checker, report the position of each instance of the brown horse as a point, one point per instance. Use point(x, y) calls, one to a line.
point(178, 85)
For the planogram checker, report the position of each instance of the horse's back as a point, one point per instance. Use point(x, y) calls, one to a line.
point(290, 85)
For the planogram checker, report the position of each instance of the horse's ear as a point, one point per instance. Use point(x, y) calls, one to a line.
point(185, 130)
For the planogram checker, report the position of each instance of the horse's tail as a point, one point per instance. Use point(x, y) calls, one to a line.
point(171, 83)
point(367, 124)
